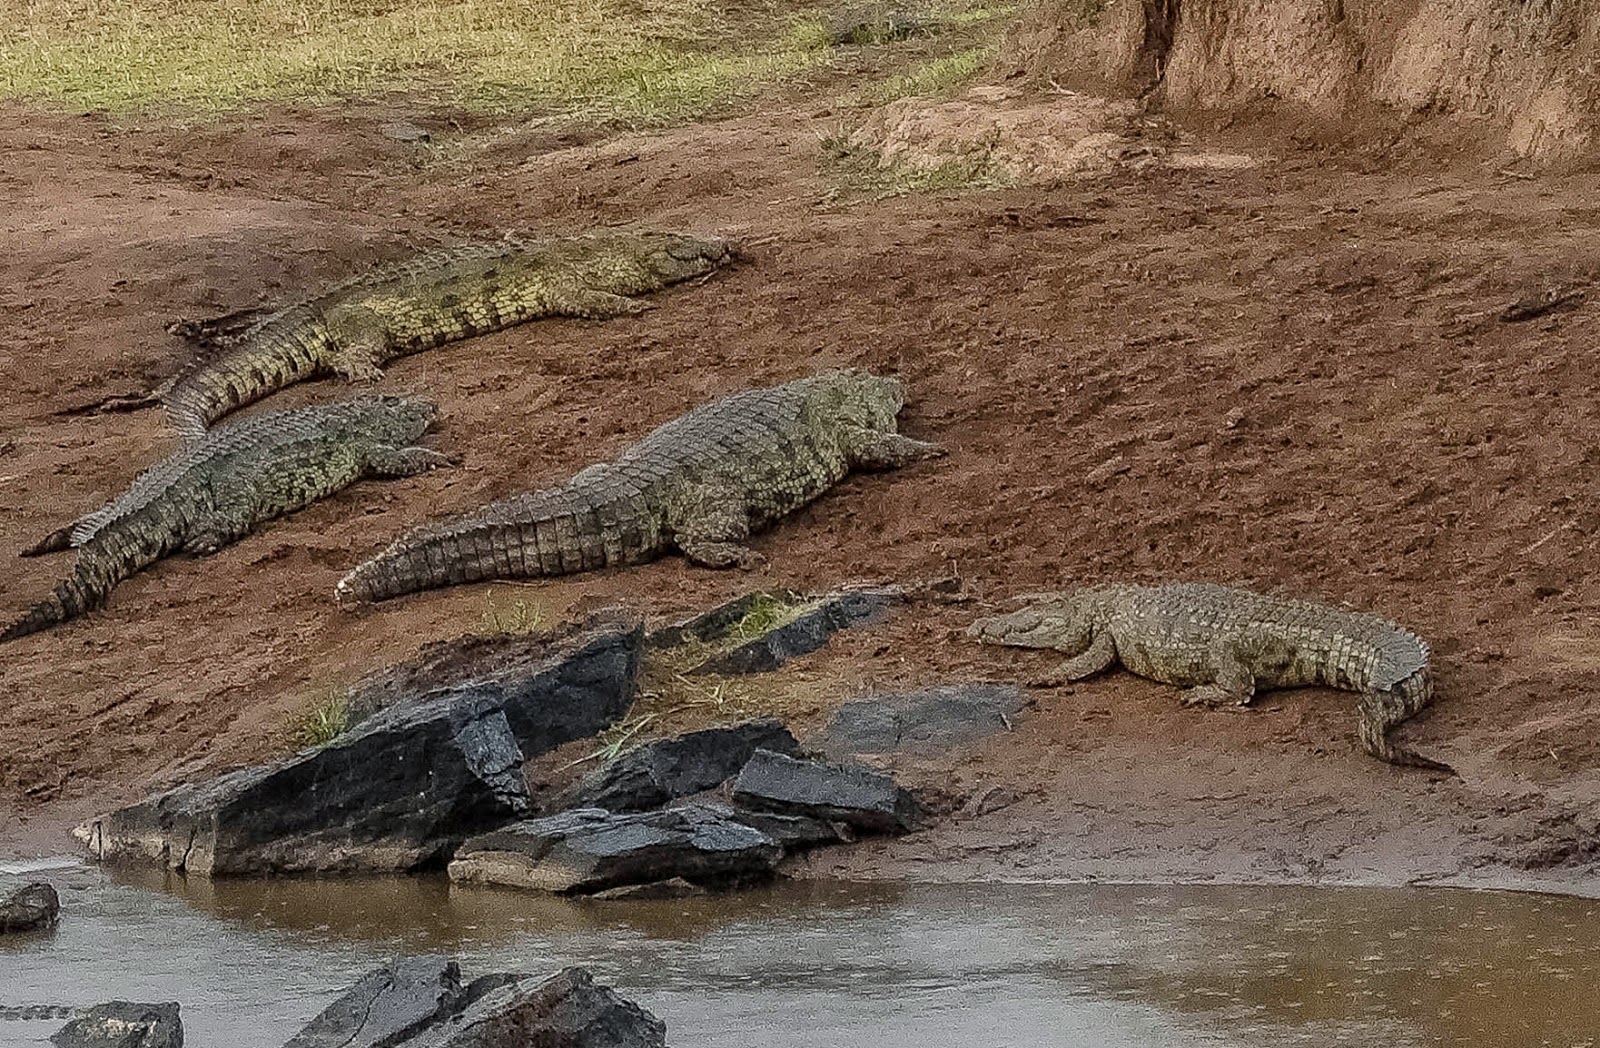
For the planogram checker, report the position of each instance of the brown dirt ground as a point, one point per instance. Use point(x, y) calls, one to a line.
point(1291, 377)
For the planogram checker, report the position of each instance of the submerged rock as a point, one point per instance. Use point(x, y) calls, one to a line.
point(387, 1005)
point(856, 797)
point(122, 1024)
point(403, 787)
point(30, 908)
point(924, 722)
point(667, 769)
point(588, 850)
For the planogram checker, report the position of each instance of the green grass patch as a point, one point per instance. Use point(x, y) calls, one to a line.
point(938, 77)
point(323, 720)
point(643, 61)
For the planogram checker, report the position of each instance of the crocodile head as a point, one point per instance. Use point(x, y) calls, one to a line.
point(404, 419)
point(1063, 621)
point(871, 401)
point(678, 256)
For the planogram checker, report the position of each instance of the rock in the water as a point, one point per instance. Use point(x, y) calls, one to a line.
point(924, 722)
point(121, 1024)
point(803, 624)
point(662, 771)
point(404, 786)
point(588, 850)
point(567, 1011)
point(387, 1005)
point(861, 799)
point(29, 908)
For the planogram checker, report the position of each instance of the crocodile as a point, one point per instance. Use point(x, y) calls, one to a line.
point(1223, 643)
point(699, 484)
point(439, 296)
point(212, 493)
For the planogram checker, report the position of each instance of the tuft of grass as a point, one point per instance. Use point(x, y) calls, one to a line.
point(640, 61)
point(518, 617)
point(323, 720)
point(935, 78)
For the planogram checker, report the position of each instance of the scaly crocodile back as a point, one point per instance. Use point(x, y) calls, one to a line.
point(419, 303)
point(239, 476)
point(770, 450)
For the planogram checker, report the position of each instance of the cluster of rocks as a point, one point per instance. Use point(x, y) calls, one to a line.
point(418, 1002)
point(433, 771)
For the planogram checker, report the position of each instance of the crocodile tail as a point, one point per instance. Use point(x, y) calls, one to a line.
point(1382, 710)
point(80, 592)
point(539, 535)
point(286, 348)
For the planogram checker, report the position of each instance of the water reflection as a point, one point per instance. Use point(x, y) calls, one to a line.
point(839, 965)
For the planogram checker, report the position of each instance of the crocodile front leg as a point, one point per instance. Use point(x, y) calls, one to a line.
point(1099, 656)
point(406, 462)
point(884, 451)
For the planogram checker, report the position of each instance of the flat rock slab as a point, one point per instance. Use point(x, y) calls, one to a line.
point(820, 619)
point(861, 799)
point(568, 1011)
point(400, 789)
point(588, 850)
point(387, 1005)
point(662, 771)
point(30, 908)
point(922, 723)
point(122, 1024)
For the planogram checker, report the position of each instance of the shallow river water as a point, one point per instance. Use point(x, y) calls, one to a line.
point(814, 964)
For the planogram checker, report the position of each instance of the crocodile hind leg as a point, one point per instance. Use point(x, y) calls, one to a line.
point(709, 526)
point(1238, 664)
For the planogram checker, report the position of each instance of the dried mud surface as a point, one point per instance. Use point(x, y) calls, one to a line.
point(1292, 377)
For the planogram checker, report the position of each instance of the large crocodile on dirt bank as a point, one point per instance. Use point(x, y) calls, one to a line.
point(1223, 643)
point(217, 490)
point(701, 484)
point(436, 297)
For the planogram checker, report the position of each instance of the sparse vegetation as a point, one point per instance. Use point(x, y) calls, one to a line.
point(859, 172)
point(518, 617)
point(323, 720)
point(934, 78)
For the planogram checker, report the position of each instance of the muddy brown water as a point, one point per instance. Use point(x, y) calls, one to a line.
point(823, 964)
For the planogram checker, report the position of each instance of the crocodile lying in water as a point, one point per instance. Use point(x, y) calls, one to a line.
point(699, 484)
point(425, 301)
point(1223, 643)
point(216, 491)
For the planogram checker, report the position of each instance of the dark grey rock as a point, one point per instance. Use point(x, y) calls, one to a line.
point(387, 1005)
point(121, 1024)
point(662, 771)
point(404, 786)
point(861, 799)
point(824, 616)
point(30, 908)
point(567, 1011)
point(924, 722)
point(588, 850)
point(796, 832)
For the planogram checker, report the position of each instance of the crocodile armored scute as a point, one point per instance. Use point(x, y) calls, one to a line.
point(214, 492)
point(1223, 643)
point(439, 296)
point(700, 484)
